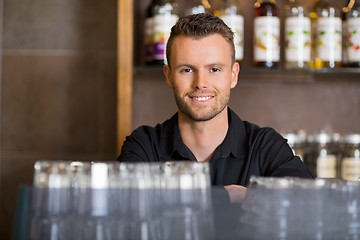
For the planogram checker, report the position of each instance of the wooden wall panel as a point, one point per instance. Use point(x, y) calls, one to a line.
point(125, 65)
point(58, 88)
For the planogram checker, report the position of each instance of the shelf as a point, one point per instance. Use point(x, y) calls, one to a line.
point(309, 70)
point(284, 75)
point(277, 75)
point(271, 70)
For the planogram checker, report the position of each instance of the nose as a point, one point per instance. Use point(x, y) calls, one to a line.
point(200, 81)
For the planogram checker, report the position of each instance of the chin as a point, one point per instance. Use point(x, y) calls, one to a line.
point(201, 114)
point(203, 117)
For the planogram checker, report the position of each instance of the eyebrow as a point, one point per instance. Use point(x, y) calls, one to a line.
point(216, 65)
point(185, 65)
point(207, 65)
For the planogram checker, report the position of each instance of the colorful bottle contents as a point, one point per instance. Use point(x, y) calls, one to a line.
point(327, 35)
point(165, 16)
point(324, 38)
point(297, 35)
point(351, 34)
point(149, 33)
point(266, 34)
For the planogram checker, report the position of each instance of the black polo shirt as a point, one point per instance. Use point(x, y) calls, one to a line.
point(246, 150)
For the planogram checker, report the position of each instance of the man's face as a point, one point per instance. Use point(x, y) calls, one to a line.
point(201, 75)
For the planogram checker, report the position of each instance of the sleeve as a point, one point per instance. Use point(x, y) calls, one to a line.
point(289, 165)
point(139, 147)
point(278, 158)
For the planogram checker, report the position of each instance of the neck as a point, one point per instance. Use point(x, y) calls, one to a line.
point(203, 137)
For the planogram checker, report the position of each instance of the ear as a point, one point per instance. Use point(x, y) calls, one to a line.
point(167, 73)
point(235, 74)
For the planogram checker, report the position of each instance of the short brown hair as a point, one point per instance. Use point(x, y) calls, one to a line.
point(198, 26)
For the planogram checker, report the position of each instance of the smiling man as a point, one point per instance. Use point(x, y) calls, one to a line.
point(202, 71)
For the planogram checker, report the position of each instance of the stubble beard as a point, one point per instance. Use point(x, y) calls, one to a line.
point(197, 114)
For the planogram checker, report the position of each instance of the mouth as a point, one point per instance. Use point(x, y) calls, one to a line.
point(202, 98)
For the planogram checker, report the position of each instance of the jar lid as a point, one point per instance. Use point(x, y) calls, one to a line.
point(295, 138)
point(353, 138)
point(323, 138)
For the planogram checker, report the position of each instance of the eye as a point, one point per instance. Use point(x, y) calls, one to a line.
point(215, 69)
point(186, 70)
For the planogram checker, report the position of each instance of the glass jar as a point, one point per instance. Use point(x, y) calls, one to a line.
point(297, 142)
point(327, 156)
point(350, 163)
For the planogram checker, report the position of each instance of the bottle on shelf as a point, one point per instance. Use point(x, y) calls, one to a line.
point(266, 34)
point(297, 35)
point(327, 37)
point(230, 12)
point(198, 6)
point(351, 34)
point(149, 32)
point(165, 16)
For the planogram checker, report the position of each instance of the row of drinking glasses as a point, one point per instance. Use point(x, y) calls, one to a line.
point(294, 208)
point(110, 200)
point(176, 175)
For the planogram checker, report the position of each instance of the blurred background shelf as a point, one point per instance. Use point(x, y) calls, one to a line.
point(270, 76)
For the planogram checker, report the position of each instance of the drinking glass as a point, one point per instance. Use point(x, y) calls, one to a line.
point(353, 210)
point(137, 191)
point(94, 207)
point(50, 214)
point(187, 212)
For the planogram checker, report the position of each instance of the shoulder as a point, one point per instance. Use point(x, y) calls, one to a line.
point(137, 145)
point(267, 145)
point(261, 134)
point(145, 134)
point(249, 134)
point(251, 131)
point(144, 143)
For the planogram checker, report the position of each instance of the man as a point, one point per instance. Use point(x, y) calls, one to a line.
point(201, 71)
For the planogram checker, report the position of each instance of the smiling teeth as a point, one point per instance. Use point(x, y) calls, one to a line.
point(202, 98)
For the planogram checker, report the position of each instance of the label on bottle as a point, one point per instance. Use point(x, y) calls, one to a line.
point(350, 169)
point(297, 39)
point(326, 166)
point(162, 29)
point(267, 39)
point(328, 39)
point(236, 23)
point(352, 44)
point(148, 39)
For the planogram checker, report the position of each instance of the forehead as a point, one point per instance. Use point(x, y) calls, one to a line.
point(211, 47)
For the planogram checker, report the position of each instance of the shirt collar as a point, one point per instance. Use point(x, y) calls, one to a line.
point(235, 140)
point(173, 148)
